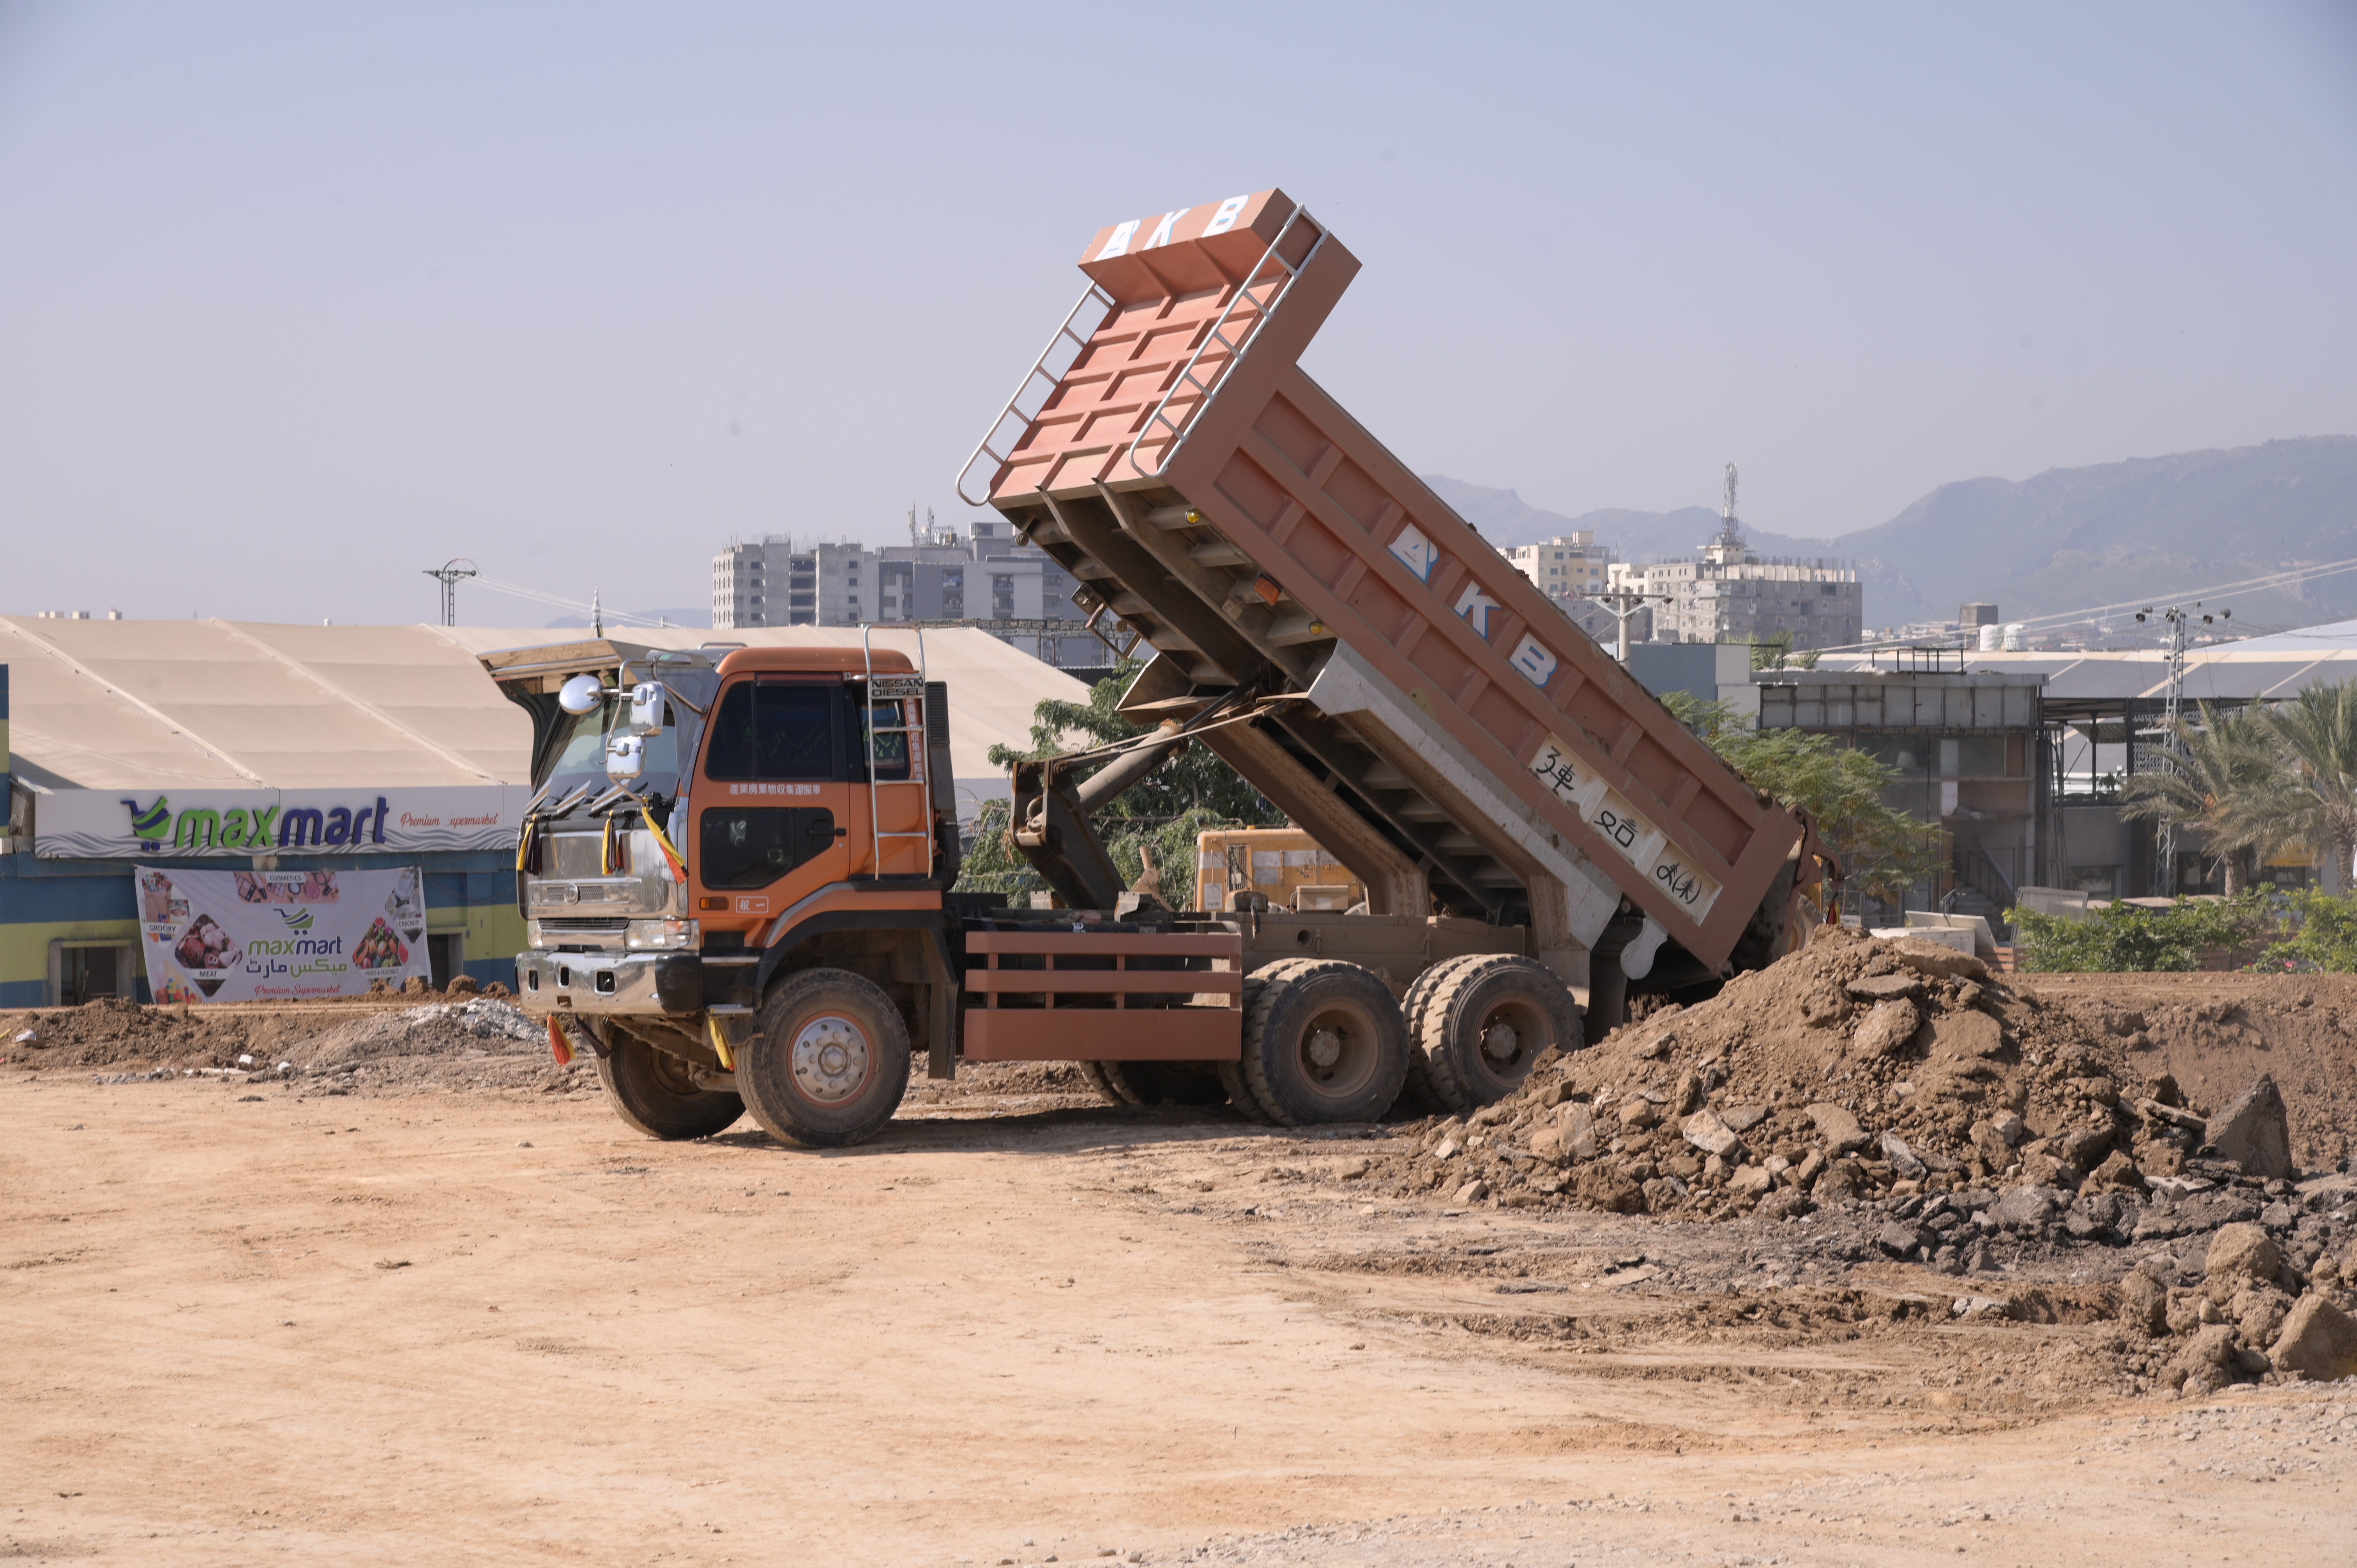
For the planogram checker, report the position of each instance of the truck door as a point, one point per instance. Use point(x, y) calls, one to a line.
point(772, 805)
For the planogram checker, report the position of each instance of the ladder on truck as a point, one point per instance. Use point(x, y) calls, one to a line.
point(899, 690)
point(1264, 294)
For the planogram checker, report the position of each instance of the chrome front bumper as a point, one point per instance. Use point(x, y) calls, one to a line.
point(605, 981)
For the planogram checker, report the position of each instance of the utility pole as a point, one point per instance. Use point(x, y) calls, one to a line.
point(451, 573)
point(1621, 604)
point(2179, 620)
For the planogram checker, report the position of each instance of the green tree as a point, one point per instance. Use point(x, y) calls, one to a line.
point(1883, 850)
point(2314, 800)
point(1162, 813)
point(2227, 779)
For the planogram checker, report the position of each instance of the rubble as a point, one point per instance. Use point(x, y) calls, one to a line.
point(1915, 1109)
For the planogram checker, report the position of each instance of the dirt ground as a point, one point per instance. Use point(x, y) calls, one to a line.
point(433, 1302)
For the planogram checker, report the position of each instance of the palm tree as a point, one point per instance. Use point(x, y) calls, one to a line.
point(2227, 779)
point(2316, 802)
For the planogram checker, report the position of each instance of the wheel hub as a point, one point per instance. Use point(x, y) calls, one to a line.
point(1499, 1042)
point(1325, 1048)
point(830, 1059)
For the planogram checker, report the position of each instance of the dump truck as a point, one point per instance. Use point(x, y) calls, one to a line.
point(738, 867)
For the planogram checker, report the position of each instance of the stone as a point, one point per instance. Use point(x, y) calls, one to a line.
point(2205, 1361)
point(1754, 1180)
point(2258, 1311)
point(2118, 1171)
point(1784, 1203)
point(1934, 959)
point(1705, 1131)
point(2240, 1254)
point(1900, 1238)
point(2023, 1208)
point(1546, 1144)
point(2255, 1131)
point(2043, 1169)
point(1806, 1174)
point(2318, 1341)
point(1576, 1125)
point(1902, 1158)
point(1600, 1185)
point(2144, 1303)
point(1743, 1118)
point(1966, 1036)
point(2084, 1147)
point(1639, 1114)
point(2277, 1216)
point(1888, 1028)
point(2010, 1128)
point(1473, 1191)
point(1839, 1128)
point(1449, 1149)
point(1885, 987)
point(1839, 1182)
point(1687, 1097)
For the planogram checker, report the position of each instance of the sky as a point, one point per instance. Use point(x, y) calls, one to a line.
point(297, 301)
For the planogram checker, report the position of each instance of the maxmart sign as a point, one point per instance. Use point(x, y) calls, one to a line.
point(110, 824)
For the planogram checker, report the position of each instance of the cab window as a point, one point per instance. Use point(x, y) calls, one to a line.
point(774, 732)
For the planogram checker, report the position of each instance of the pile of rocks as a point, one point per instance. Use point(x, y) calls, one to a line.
point(2247, 1312)
point(1895, 1077)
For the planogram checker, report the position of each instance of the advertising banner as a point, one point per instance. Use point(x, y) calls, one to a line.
point(260, 935)
point(106, 824)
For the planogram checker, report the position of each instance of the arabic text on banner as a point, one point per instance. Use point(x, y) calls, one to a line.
point(248, 936)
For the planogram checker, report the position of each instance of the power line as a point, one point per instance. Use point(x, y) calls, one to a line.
point(2284, 579)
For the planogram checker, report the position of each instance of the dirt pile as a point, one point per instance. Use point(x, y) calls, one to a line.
point(2215, 1033)
point(114, 1031)
point(480, 1043)
point(1893, 1074)
point(476, 1040)
point(2251, 1303)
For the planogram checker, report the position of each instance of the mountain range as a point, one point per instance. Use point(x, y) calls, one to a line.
point(2156, 528)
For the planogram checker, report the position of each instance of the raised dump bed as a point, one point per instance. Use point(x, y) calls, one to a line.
point(1328, 625)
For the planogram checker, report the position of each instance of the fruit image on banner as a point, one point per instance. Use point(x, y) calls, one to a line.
point(247, 936)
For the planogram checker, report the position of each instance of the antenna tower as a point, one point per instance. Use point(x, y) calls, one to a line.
point(451, 573)
point(2179, 620)
point(1729, 531)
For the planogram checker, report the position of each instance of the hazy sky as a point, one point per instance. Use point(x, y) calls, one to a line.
point(297, 300)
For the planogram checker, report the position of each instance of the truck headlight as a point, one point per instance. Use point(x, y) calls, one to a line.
point(662, 934)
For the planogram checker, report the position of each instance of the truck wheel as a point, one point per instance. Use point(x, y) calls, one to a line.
point(828, 1060)
point(1324, 1042)
point(651, 1091)
point(1230, 1075)
point(1486, 1022)
point(1104, 1083)
point(1419, 1094)
point(1154, 1083)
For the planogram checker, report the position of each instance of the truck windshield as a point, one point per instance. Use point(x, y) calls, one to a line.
point(580, 754)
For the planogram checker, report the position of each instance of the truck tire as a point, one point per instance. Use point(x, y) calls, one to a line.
point(1156, 1083)
point(1324, 1042)
point(1419, 1095)
point(1231, 1074)
point(651, 1091)
point(827, 1062)
point(1485, 1023)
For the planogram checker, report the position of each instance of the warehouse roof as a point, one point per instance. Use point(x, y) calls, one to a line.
point(2282, 664)
point(224, 704)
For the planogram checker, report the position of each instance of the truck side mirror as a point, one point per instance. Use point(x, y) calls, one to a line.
point(626, 755)
point(582, 695)
point(647, 708)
